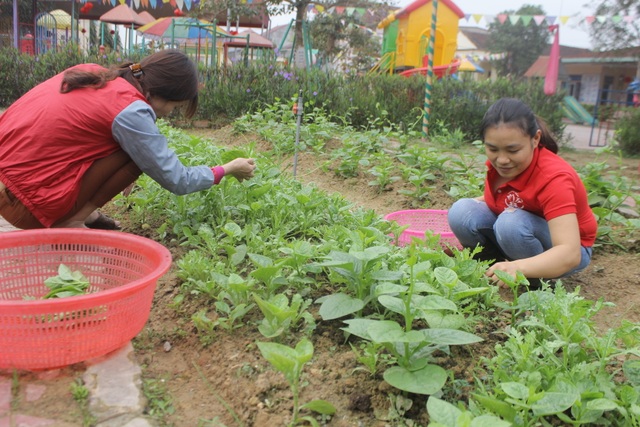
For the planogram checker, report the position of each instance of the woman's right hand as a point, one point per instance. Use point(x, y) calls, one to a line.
point(240, 168)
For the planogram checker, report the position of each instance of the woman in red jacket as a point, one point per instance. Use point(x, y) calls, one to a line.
point(75, 141)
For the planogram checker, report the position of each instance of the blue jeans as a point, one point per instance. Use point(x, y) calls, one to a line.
point(517, 233)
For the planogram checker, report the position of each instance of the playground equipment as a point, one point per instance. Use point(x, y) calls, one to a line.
point(287, 45)
point(406, 38)
point(575, 112)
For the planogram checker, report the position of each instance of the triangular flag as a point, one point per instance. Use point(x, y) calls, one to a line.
point(339, 10)
point(361, 10)
point(489, 18)
point(539, 19)
point(601, 18)
point(590, 19)
point(616, 19)
point(502, 18)
point(628, 19)
point(564, 19)
point(350, 11)
point(319, 8)
point(514, 19)
point(526, 20)
point(477, 17)
point(550, 19)
point(467, 16)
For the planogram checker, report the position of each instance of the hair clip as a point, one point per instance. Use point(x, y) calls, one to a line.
point(136, 70)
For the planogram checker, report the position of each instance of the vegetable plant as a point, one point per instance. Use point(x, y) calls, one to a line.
point(67, 283)
point(291, 361)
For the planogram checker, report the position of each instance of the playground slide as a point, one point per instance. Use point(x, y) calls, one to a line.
point(577, 111)
point(439, 71)
point(569, 114)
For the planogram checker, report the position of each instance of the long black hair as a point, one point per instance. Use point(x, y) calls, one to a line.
point(513, 112)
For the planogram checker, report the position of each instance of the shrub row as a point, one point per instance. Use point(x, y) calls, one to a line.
point(363, 101)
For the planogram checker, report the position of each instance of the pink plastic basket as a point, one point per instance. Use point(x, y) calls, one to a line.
point(421, 220)
point(123, 270)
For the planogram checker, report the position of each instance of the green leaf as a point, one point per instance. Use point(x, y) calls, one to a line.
point(283, 358)
point(428, 380)
point(438, 319)
point(442, 412)
point(256, 193)
point(339, 305)
point(434, 302)
point(389, 288)
point(601, 405)
point(553, 403)
point(488, 420)
point(470, 292)
point(304, 350)
point(359, 327)
point(516, 390)
point(631, 369)
point(445, 276)
point(320, 406)
point(384, 331)
point(394, 304)
point(498, 406)
point(449, 337)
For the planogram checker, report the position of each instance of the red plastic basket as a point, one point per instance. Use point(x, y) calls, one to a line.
point(123, 270)
point(420, 221)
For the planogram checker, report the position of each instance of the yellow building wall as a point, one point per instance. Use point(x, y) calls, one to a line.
point(414, 31)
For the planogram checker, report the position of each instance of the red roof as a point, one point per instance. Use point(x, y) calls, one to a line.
point(122, 14)
point(255, 40)
point(419, 3)
point(538, 68)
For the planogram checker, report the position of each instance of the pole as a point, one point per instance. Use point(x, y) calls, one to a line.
point(16, 23)
point(297, 110)
point(428, 85)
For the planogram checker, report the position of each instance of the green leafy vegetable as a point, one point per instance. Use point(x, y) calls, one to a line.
point(66, 284)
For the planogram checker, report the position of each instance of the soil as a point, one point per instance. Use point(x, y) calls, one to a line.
point(228, 383)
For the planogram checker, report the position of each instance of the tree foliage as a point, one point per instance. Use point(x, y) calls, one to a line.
point(343, 39)
point(522, 44)
point(613, 32)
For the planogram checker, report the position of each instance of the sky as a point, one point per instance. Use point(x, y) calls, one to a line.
point(573, 33)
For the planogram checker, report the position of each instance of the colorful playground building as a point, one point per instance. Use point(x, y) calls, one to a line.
point(407, 34)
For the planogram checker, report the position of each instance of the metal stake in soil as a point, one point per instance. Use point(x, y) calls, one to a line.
point(297, 110)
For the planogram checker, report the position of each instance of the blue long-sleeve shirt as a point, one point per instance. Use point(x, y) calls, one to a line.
point(136, 131)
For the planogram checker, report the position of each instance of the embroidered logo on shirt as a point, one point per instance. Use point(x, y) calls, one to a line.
point(513, 200)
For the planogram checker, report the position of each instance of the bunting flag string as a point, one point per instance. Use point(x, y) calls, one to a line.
point(526, 20)
point(136, 4)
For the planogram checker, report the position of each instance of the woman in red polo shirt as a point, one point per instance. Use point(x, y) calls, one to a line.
point(534, 216)
point(73, 142)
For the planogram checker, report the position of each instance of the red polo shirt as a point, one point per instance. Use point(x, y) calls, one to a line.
point(549, 188)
